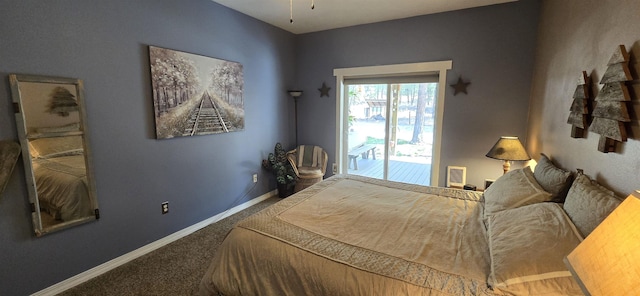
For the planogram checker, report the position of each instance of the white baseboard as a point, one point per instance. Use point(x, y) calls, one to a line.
point(116, 262)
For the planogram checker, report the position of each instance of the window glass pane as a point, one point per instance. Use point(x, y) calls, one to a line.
point(391, 131)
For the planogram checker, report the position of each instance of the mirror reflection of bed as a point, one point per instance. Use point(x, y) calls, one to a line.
point(51, 124)
point(61, 179)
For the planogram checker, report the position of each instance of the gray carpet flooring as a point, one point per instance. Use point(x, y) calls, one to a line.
point(175, 269)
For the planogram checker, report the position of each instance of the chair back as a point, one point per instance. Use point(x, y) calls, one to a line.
point(310, 156)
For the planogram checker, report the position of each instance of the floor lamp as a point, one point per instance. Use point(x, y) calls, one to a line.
point(295, 94)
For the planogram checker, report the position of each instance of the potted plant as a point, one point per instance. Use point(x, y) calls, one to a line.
point(278, 164)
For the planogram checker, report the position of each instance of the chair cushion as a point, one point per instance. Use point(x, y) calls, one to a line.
point(309, 172)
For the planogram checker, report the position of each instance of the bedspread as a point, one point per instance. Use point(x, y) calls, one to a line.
point(350, 235)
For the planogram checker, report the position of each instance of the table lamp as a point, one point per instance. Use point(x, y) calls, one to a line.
point(607, 261)
point(508, 149)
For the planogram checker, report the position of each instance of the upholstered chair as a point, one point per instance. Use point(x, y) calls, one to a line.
point(309, 163)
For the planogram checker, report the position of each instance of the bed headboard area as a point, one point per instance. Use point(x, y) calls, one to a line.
point(567, 46)
point(586, 202)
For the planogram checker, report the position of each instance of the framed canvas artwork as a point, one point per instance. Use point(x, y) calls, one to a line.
point(194, 94)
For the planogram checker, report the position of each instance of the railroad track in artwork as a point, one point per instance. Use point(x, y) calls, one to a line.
point(206, 118)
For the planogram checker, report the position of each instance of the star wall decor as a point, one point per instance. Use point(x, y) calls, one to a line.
point(460, 86)
point(324, 90)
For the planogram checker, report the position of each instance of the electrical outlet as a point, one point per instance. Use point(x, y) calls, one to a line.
point(255, 178)
point(165, 207)
point(334, 168)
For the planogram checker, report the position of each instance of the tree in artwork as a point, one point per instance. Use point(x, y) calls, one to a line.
point(579, 115)
point(610, 112)
point(61, 102)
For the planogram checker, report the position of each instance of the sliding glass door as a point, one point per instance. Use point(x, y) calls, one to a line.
point(390, 130)
point(389, 121)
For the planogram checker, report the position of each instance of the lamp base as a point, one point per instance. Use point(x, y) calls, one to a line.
point(506, 166)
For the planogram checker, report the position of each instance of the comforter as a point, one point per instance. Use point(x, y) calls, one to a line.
point(351, 235)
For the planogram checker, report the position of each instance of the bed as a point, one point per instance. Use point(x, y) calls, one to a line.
point(351, 235)
point(60, 177)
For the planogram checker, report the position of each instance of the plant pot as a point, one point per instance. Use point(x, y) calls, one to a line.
point(284, 190)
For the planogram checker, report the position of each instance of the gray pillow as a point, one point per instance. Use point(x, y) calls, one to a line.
point(514, 189)
point(588, 204)
point(552, 178)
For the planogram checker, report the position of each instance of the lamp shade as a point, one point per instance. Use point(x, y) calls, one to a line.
point(508, 148)
point(607, 262)
point(295, 93)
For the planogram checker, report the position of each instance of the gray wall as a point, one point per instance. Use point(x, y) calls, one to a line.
point(105, 44)
point(492, 47)
point(569, 43)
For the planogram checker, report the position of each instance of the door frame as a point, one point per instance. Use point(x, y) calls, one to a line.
point(438, 67)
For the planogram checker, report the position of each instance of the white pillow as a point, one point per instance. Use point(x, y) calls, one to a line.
point(514, 189)
point(55, 146)
point(527, 246)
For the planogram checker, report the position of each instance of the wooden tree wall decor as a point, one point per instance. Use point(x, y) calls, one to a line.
point(610, 111)
point(579, 115)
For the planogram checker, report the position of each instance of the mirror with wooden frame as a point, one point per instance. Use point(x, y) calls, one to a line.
point(51, 124)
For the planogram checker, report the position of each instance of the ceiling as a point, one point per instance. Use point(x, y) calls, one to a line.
point(331, 14)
